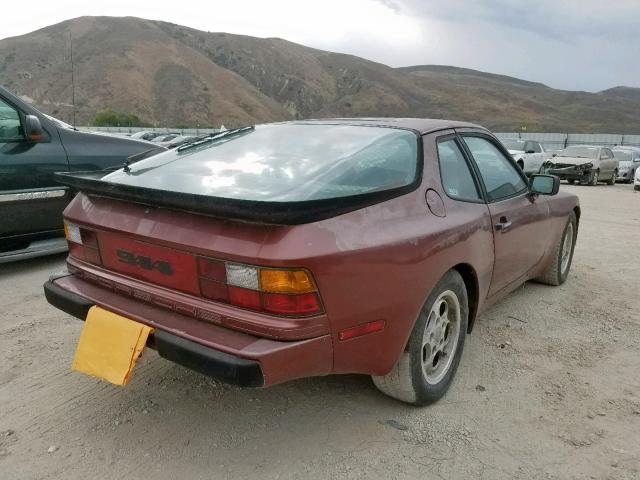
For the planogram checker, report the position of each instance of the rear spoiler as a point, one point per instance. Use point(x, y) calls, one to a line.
point(276, 213)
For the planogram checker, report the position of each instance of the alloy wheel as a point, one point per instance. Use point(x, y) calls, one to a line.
point(567, 245)
point(440, 338)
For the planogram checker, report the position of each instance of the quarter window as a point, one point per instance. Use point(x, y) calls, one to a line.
point(457, 180)
point(499, 174)
point(10, 128)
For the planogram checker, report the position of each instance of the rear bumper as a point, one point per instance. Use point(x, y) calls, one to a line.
point(233, 357)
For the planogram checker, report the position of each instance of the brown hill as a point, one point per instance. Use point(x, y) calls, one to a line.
point(169, 75)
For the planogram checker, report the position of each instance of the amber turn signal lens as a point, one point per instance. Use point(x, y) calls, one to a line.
point(285, 281)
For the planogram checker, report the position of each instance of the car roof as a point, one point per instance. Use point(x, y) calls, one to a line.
point(422, 125)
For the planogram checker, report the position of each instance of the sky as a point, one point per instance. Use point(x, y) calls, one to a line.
point(569, 44)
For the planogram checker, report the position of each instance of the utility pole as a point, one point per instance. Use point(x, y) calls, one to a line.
point(73, 84)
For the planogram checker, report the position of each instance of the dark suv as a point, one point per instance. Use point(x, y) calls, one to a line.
point(33, 146)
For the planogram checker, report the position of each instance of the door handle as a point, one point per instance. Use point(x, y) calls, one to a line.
point(503, 225)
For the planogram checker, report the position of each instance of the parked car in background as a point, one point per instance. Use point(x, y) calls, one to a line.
point(528, 154)
point(584, 164)
point(315, 247)
point(147, 135)
point(33, 146)
point(181, 140)
point(166, 139)
point(636, 181)
point(629, 161)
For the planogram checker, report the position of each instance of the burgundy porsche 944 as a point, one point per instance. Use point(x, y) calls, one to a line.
point(264, 254)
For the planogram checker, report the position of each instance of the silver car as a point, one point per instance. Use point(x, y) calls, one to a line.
point(584, 164)
point(629, 158)
point(528, 154)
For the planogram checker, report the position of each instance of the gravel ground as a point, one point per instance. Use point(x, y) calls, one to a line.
point(548, 388)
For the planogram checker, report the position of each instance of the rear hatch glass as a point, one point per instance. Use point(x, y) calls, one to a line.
point(285, 163)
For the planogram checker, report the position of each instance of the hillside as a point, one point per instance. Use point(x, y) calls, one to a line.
point(169, 75)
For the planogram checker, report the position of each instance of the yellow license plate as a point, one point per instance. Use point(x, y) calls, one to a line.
point(109, 346)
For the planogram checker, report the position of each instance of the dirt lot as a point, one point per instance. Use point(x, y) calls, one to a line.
point(548, 387)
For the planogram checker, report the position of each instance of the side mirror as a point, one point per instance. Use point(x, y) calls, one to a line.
point(554, 155)
point(544, 184)
point(33, 130)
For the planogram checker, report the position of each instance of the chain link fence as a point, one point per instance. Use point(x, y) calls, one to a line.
point(559, 141)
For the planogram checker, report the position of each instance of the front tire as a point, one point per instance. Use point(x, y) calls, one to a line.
point(558, 270)
point(571, 181)
point(594, 177)
point(612, 180)
point(428, 364)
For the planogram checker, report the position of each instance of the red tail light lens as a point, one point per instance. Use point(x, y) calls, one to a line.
point(245, 298)
point(304, 304)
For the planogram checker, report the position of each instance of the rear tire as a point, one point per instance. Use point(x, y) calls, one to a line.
point(558, 270)
point(428, 364)
point(571, 181)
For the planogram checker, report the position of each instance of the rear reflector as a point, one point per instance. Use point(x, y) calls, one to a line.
point(360, 330)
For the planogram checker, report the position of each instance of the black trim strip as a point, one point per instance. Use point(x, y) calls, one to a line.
point(214, 363)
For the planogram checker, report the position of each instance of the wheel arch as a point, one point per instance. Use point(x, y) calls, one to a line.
point(577, 212)
point(470, 278)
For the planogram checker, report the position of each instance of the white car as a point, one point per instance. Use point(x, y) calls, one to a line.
point(629, 158)
point(528, 154)
point(588, 164)
point(636, 181)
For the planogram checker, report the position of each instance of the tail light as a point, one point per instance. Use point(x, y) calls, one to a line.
point(287, 292)
point(83, 243)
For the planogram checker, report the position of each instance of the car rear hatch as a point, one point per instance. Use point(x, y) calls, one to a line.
point(207, 268)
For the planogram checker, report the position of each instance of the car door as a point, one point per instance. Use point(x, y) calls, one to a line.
point(518, 218)
point(31, 202)
point(537, 157)
point(606, 165)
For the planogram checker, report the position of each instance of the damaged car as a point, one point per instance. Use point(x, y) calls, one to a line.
point(584, 164)
point(264, 254)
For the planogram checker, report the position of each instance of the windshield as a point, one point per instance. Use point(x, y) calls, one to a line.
point(622, 156)
point(285, 162)
point(512, 144)
point(579, 152)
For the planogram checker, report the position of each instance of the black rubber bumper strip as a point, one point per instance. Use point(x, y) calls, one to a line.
point(68, 302)
point(214, 363)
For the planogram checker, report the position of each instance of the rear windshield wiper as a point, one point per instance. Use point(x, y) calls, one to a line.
point(214, 136)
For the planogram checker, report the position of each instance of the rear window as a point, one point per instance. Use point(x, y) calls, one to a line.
point(579, 152)
point(513, 144)
point(285, 163)
point(622, 156)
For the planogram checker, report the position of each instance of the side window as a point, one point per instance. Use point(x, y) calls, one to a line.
point(536, 147)
point(603, 154)
point(457, 180)
point(500, 176)
point(10, 127)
